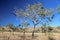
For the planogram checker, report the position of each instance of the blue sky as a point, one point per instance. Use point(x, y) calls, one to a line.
point(7, 7)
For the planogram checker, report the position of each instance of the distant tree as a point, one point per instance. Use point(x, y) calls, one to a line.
point(11, 26)
point(36, 13)
point(23, 26)
point(44, 28)
point(50, 28)
point(58, 27)
point(3, 29)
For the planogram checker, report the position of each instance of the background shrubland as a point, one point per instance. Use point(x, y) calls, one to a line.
point(41, 29)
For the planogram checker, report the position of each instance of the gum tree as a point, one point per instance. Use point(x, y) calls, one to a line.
point(36, 13)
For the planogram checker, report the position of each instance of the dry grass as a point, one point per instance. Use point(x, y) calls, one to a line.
point(20, 36)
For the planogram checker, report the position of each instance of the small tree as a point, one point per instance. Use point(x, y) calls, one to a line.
point(44, 28)
point(50, 28)
point(36, 13)
point(49, 31)
point(23, 26)
point(3, 29)
point(10, 26)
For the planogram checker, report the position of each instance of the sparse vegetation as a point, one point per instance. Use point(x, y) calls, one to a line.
point(29, 30)
point(35, 13)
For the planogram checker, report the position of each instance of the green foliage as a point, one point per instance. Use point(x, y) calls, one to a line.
point(36, 31)
point(11, 26)
point(36, 13)
point(50, 38)
point(23, 26)
point(50, 28)
point(3, 29)
point(44, 28)
point(33, 12)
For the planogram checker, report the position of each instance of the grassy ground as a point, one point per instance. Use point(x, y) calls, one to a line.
point(20, 36)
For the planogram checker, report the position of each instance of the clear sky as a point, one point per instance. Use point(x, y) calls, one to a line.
point(7, 7)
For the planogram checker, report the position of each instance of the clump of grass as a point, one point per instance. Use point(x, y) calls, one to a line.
point(50, 38)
